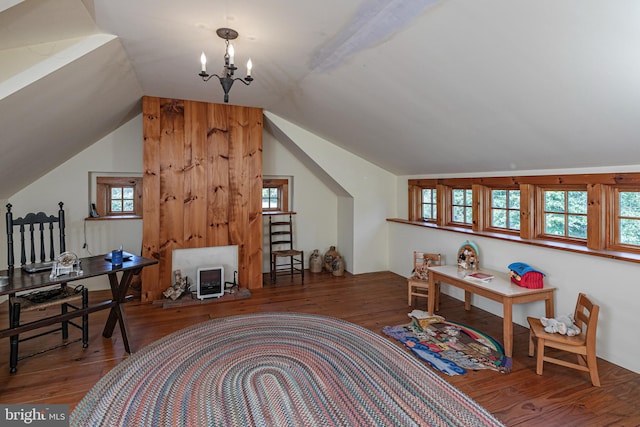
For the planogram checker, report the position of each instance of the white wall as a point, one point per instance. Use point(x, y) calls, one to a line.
point(611, 284)
point(120, 151)
point(372, 190)
point(315, 224)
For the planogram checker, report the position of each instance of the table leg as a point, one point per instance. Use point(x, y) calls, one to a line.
point(467, 300)
point(549, 307)
point(431, 295)
point(117, 315)
point(507, 328)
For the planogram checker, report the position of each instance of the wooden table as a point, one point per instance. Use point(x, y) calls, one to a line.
point(19, 281)
point(499, 289)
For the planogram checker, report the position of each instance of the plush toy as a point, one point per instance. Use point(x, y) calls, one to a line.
point(560, 325)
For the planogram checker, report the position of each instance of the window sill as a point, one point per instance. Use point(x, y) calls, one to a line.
point(569, 247)
point(115, 217)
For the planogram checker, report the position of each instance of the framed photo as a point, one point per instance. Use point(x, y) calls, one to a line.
point(468, 257)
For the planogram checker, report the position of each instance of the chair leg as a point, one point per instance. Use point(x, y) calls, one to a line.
point(532, 346)
point(273, 269)
point(593, 369)
point(65, 323)
point(85, 319)
point(14, 321)
point(302, 266)
point(409, 299)
point(540, 358)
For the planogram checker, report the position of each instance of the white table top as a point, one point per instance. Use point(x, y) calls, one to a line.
point(500, 284)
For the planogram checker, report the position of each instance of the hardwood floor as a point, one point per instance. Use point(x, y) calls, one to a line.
point(561, 397)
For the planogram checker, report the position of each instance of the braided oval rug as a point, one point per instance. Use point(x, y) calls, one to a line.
point(275, 369)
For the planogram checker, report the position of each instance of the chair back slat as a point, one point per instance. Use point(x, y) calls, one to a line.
point(586, 318)
point(40, 230)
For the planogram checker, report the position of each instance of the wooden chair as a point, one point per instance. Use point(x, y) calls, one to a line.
point(583, 345)
point(418, 283)
point(281, 246)
point(37, 231)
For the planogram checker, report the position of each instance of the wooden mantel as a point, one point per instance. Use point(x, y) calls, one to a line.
point(202, 185)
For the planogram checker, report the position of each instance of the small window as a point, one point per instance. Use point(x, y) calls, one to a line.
point(119, 197)
point(462, 206)
point(565, 213)
point(627, 218)
point(275, 195)
point(505, 209)
point(429, 204)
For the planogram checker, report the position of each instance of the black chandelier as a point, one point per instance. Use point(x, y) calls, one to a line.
point(227, 79)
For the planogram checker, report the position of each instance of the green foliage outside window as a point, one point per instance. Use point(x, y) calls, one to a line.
point(505, 209)
point(462, 206)
point(429, 204)
point(565, 213)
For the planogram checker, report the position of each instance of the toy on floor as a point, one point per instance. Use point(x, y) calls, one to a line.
point(560, 325)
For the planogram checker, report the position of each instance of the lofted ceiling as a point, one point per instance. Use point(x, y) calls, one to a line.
point(416, 87)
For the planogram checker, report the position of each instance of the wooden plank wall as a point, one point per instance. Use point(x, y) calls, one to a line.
point(202, 185)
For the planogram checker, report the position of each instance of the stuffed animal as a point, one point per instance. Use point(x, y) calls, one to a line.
point(560, 325)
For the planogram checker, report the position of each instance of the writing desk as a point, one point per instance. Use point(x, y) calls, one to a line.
point(20, 281)
point(498, 289)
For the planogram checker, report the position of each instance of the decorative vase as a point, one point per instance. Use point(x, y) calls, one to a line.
point(328, 258)
point(337, 266)
point(315, 262)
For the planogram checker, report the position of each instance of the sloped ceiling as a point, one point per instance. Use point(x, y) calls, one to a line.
point(419, 87)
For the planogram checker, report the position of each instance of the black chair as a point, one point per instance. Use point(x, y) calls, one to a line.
point(281, 246)
point(37, 232)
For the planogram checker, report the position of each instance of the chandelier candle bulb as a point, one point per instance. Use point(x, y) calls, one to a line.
point(232, 53)
point(249, 67)
point(203, 61)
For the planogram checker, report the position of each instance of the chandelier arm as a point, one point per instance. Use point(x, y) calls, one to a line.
point(208, 77)
point(243, 81)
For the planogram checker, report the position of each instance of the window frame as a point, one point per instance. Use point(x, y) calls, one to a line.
point(602, 224)
point(104, 184)
point(540, 203)
point(613, 235)
point(487, 213)
point(282, 185)
point(450, 206)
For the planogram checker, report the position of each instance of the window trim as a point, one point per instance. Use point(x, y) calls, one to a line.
point(601, 224)
point(540, 212)
point(103, 190)
point(282, 184)
point(486, 214)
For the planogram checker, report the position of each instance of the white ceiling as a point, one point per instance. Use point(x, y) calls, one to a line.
point(416, 87)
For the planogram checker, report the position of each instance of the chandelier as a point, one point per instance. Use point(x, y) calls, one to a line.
point(226, 79)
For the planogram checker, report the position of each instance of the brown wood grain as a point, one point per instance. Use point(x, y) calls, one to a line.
point(560, 397)
point(203, 166)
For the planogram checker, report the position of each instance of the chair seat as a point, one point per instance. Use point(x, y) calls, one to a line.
point(537, 328)
point(288, 252)
point(42, 299)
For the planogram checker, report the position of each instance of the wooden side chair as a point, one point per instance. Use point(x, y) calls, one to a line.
point(281, 247)
point(418, 283)
point(38, 232)
point(583, 345)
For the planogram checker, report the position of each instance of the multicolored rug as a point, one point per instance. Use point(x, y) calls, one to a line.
point(451, 347)
point(275, 369)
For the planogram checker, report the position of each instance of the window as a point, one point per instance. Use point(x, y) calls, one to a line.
point(627, 217)
point(429, 204)
point(594, 214)
point(462, 206)
point(505, 209)
point(119, 197)
point(275, 195)
point(564, 213)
